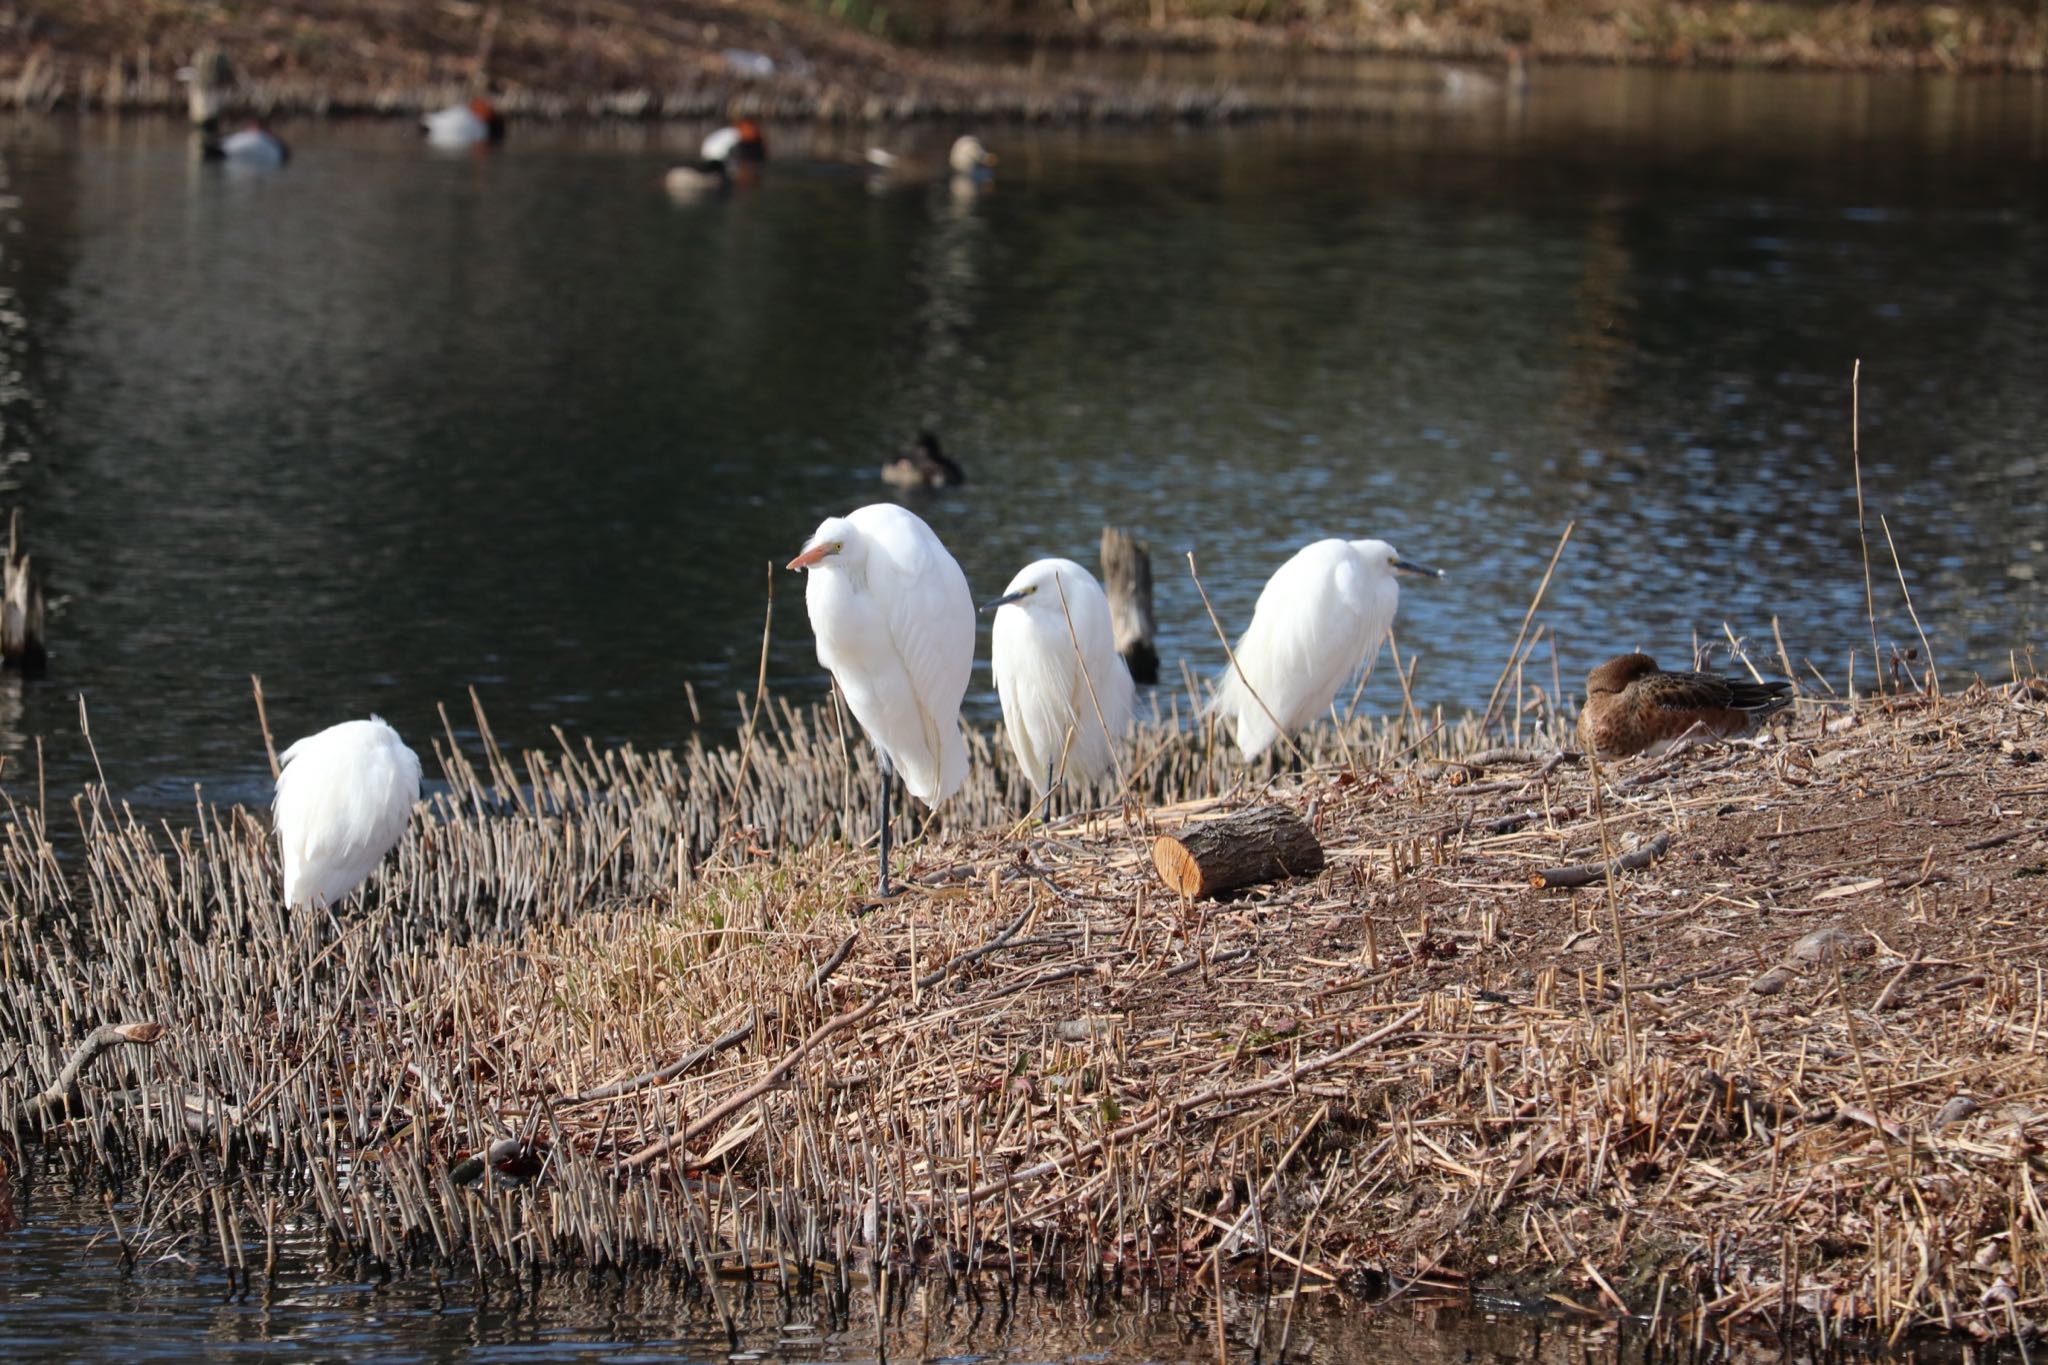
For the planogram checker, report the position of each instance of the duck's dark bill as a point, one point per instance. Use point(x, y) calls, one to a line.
point(1004, 600)
point(1409, 566)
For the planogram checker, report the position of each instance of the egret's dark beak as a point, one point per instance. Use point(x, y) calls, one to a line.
point(1004, 600)
point(810, 556)
point(1408, 566)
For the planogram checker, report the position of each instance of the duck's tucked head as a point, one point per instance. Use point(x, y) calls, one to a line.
point(1615, 675)
point(752, 144)
point(969, 156)
point(1384, 561)
point(837, 540)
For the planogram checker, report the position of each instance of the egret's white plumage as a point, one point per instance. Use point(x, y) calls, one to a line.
point(1320, 618)
point(895, 624)
point(343, 799)
point(1039, 672)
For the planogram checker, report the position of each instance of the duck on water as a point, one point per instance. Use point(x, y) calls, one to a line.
point(923, 464)
point(726, 154)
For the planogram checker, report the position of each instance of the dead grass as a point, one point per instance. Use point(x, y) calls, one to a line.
point(1792, 1070)
point(696, 58)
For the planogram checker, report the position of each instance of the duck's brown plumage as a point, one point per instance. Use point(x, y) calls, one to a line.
point(1633, 705)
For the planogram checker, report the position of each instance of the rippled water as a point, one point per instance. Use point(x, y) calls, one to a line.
point(68, 1297)
point(391, 424)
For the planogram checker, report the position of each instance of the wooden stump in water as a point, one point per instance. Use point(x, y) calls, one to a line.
point(21, 604)
point(1127, 578)
point(206, 84)
point(1263, 844)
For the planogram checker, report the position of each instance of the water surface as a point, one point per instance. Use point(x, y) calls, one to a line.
point(389, 424)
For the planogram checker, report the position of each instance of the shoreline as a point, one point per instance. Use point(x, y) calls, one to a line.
point(725, 58)
point(1778, 1070)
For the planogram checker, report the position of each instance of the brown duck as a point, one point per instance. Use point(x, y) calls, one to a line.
point(1633, 706)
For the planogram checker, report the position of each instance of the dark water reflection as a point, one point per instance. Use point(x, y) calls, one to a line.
point(390, 424)
point(67, 1297)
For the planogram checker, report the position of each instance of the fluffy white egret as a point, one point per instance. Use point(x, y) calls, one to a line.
point(895, 625)
point(343, 799)
point(254, 146)
point(1320, 618)
point(464, 125)
point(1049, 687)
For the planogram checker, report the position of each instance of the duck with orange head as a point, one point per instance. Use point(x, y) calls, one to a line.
point(464, 125)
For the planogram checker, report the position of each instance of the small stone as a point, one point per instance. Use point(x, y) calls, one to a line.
point(1832, 944)
point(1772, 981)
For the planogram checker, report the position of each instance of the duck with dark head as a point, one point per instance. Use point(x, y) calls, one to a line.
point(923, 464)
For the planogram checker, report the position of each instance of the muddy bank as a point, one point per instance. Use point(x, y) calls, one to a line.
point(1785, 1065)
point(561, 59)
point(1830, 35)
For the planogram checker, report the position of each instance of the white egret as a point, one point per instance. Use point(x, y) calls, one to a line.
point(1051, 689)
point(895, 625)
point(254, 146)
point(1320, 618)
point(464, 125)
point(343, 799)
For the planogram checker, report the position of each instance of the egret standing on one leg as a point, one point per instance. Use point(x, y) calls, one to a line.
point(1039, 672)
point(895, 625)
point(1321, 617)
point(343, 799)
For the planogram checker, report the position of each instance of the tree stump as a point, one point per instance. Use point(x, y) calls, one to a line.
point(21, 605)
point(1127, 578)
point(1263, 844)
point(206, 83)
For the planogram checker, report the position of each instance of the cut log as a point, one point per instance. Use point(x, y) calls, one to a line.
point(21, 605)
point(1127, 578)
point(1263, 844)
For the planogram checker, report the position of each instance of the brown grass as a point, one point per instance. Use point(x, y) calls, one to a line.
point(1792, 1070)
point(669, 58)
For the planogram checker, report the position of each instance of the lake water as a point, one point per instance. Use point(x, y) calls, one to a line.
point(67, 1297)
point(389, 425)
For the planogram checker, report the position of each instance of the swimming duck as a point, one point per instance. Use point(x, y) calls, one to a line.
point(739, 146)
point(923, 465)
point(254, 146)
point(967, 157)
point(464, 125)
point(742, 141)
